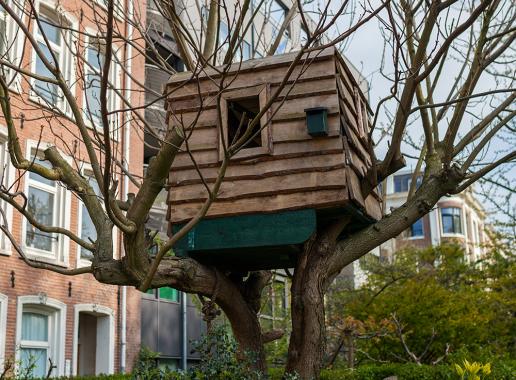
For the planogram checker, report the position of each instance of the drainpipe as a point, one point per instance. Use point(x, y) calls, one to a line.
point(127, 132)
point(184, 326)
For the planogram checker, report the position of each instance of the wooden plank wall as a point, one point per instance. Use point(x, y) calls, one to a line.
point(301, 172)
point(356, 126)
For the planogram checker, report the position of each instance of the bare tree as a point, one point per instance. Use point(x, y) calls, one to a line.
point(456, 129)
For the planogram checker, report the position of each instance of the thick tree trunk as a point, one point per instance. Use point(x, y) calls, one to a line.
point(311, 278)
point(307, 340)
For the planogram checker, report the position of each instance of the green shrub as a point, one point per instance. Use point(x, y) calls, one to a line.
point(501, 370)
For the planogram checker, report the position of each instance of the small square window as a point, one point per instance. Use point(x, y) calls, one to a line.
point(240, 113)
point(238, 108)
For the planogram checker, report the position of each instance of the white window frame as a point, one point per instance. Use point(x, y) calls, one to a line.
point(99, 311)
point(8, 178)
point(56, 310)
point(62, 203)
point(15, 40)
point(4, 304)
point(115, 78)
point(67, 61)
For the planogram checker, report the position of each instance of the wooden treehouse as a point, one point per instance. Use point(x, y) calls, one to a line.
point(304, 165)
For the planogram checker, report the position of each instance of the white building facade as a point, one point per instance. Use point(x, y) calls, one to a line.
point(459, 218)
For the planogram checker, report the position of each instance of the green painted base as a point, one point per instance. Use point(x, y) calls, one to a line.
point(259, 241)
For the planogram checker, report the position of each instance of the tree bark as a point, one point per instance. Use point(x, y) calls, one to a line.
point(308, 338)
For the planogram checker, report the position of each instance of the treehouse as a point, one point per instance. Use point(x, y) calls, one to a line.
point(303, 165)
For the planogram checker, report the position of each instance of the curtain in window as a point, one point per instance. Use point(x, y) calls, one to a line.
point(41, 205)
point(34, 362)
point(35, 327)
point(95, 60)
point(34, 332)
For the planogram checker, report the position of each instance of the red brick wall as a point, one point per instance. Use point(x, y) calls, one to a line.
point(38, 123)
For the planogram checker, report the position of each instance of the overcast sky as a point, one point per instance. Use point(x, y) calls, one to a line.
point(365, 51)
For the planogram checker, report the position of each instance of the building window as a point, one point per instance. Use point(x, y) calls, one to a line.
point(3, 34)
point(451, 220)
point(43, 204)
point(416, 230)
point(161, 53)
point(4, 176)
point(88, 231)
point(92, 69)
point(94, 62)
point(282, 47)
point(35, 345)
point(245, 51)
point(165, 293)
point(10, 41)
point(118, 6)
point(3, 328)
point(59, 42)
point(402, 182)
point(278, 13)
point(47, 202)
point(40, 336)
point(169, 294)
point(303, 36)
point(223, 40)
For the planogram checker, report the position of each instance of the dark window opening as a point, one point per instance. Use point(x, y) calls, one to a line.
point(240, 114)
point(151, 58)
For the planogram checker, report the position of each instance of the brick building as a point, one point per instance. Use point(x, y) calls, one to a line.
point(73, 323)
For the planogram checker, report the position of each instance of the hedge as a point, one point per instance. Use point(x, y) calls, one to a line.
point(503, 370)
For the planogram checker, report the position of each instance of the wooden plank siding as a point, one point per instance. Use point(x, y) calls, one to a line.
point(301, 171)
point(309, 199)
point(261, 169)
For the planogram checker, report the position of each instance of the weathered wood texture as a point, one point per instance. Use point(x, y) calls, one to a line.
point(300, 171)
